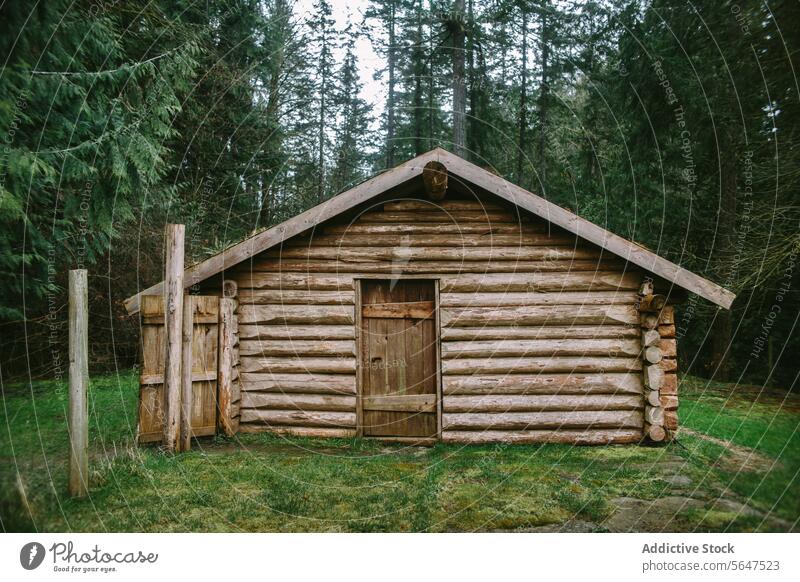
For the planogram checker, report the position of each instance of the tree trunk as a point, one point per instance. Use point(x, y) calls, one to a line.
point(523, 98)
point(419, 69)
point(458, 31)
point(390, 104)
point(725, 250)
point(544, 90)
point(472, 133)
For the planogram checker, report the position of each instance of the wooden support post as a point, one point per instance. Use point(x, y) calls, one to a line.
point(185, 438)
point(173, 315)
point(225, 365)
point(78, 384)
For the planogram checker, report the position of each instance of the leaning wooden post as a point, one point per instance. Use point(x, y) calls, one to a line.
point(173, 322)
point(78, 384)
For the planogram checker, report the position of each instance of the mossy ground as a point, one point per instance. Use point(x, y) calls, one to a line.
point(269, 483)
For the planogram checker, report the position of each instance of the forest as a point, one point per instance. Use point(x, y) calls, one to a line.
point(670, 123)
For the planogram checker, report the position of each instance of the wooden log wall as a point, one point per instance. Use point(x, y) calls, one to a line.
point(659, 364)
point(540, 334)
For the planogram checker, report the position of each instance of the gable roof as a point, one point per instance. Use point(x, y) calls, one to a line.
point(630, 251)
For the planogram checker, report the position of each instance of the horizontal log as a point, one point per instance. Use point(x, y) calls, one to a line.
point(294, 365)
point(538, 332)
point(197, 376)
point(300, 431)
point(453, 240)
point(671, 420)
point(539, 315)
point(296, 314)
point(401, 403)
point(405, 310)
point(668, 401)
point(543, 384)
point(540, 365)
point(653, 355)
point(568, 437)
point(443, 227)
point(250, 279)
point(453, 218)
point(670, 385)
point(524, 298)
point(667, 315)
point(296, 297)
point(527, 420)
point(436, 267)
point(652, 303)
point(667, 331)
point(650, 337)
point(540, 347)
point(304, 402)
point(649, 321)
point(371, 254)
point(541, 403)
point(298, 332)
point(305, 418)
point(653, 377)
point(654, 415)
point(292, 347)
point(652, 398)
point(443, 205)
point(669, 365)
point(669, 348)
point(655, 432)
point(299, 383)
point(571, 281)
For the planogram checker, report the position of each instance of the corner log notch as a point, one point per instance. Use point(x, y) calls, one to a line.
point(434, 177)
point(660, 381)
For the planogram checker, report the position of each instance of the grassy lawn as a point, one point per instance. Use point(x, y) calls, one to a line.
point(268, 483)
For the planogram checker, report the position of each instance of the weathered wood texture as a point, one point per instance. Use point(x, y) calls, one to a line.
point(533, 323)
point(204, 349)
point(78, 384)
point(473, 177)
point(226, 367)
point(173, 324)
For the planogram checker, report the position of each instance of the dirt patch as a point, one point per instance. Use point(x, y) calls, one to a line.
point(663, 514)
point(737, 458)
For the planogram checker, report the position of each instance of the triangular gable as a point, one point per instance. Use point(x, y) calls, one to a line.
point(468, 172)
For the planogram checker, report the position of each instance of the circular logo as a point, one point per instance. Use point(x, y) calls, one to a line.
point(31, 555)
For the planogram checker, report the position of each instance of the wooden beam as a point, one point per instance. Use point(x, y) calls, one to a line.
point(173, 314)
point(78, 384)
point(434, 179)
point(636, 254)
point(407, 310)
point(493, 184)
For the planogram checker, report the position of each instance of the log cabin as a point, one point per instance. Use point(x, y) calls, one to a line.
point(434, 302)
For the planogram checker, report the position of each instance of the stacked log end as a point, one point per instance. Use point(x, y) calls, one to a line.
point(659, 365)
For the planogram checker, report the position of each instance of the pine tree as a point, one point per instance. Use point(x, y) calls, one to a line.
point(353, 137)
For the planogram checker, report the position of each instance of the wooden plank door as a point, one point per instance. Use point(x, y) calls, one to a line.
point(398, 343)
point(205, 330)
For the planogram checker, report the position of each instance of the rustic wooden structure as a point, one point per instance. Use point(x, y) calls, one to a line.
point(78, 383)
point(439, 301)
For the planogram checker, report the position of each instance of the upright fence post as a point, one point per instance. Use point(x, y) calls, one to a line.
point(185, 438)
point(173, 314)
point(78, 384)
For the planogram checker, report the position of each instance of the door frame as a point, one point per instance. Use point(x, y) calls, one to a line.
point(357, 284)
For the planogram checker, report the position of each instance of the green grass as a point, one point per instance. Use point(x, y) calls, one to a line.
point(268, 483)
